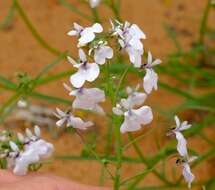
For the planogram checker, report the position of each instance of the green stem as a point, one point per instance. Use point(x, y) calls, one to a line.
point(145, 161)
point(34, 32)
point(136, 176)
point(9, 18)
point(202, 32)
point(115, 6)
point(96, 17)
point(122, 78)
point(118, 135)
point(128, 160)
point(75, 10)
point(119, 157)
point(94, 154)
point(203, 26)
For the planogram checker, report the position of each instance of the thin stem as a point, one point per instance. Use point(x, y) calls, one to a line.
point(108, 158)
point(120, 83)
point(135, 140)
point(137, 148)
point(203, 26)
point(75, 10)
point(115, 6)
point(9, 18)
point(145, 161)
point(34, 32)
point(96, 17)
point(94, 153)
point(118, 135)
point(135, 176)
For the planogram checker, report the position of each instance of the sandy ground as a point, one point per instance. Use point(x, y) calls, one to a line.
point(20, 52)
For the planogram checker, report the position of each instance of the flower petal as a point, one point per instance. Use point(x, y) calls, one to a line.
point(78, 79)
point(188, 176)
point(78, 123)
point(86, 36)
point(92, 72)
point(82, 55)
point(150, 81)
point(144, 115)
point(149, 61)
point(130, 124)
point(182, 144)
point(72, 33)
point(177, 121)
point(97, 28)
point(136, 31)
point(102, 53)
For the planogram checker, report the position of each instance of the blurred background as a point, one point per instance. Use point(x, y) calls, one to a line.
point(187, 76)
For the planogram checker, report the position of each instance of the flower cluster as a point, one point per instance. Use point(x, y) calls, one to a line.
point(184, 159)
point(24, 151)
point(94, 51)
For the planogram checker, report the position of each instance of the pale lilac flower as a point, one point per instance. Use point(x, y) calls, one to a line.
point(24, 159)
point(33, 150)
point(87, 34)
point(101, 52)
point(70, 120)
point(94, 3)
point(86, 71)
point(184, 159)
point(20, 160)
point(186, 171)
point(88, 99)
point(182, 143)
point(133, 118)
point(134, 98)
point(41, 148)
point(64, 117)
point(129, 38)
point(151, 78)
point(135, 55)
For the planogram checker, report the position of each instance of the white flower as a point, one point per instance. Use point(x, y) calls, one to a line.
point(135, 55)
point(130, 40)
point(64, 117)
point(33, 150)
point(184, 160)
point(134, 99)
point(87, 34)
point(94, 3)
point(186, 171)
point(151, 78)
point(133, 118)
point(41, 148)
point(22, 162)
point(182, 143)
point(188, 176)
point(71, 121)
point(88, 99)
point(86, 71)
point(102, 52)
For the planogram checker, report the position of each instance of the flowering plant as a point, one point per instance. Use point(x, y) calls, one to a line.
point(98, 90)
